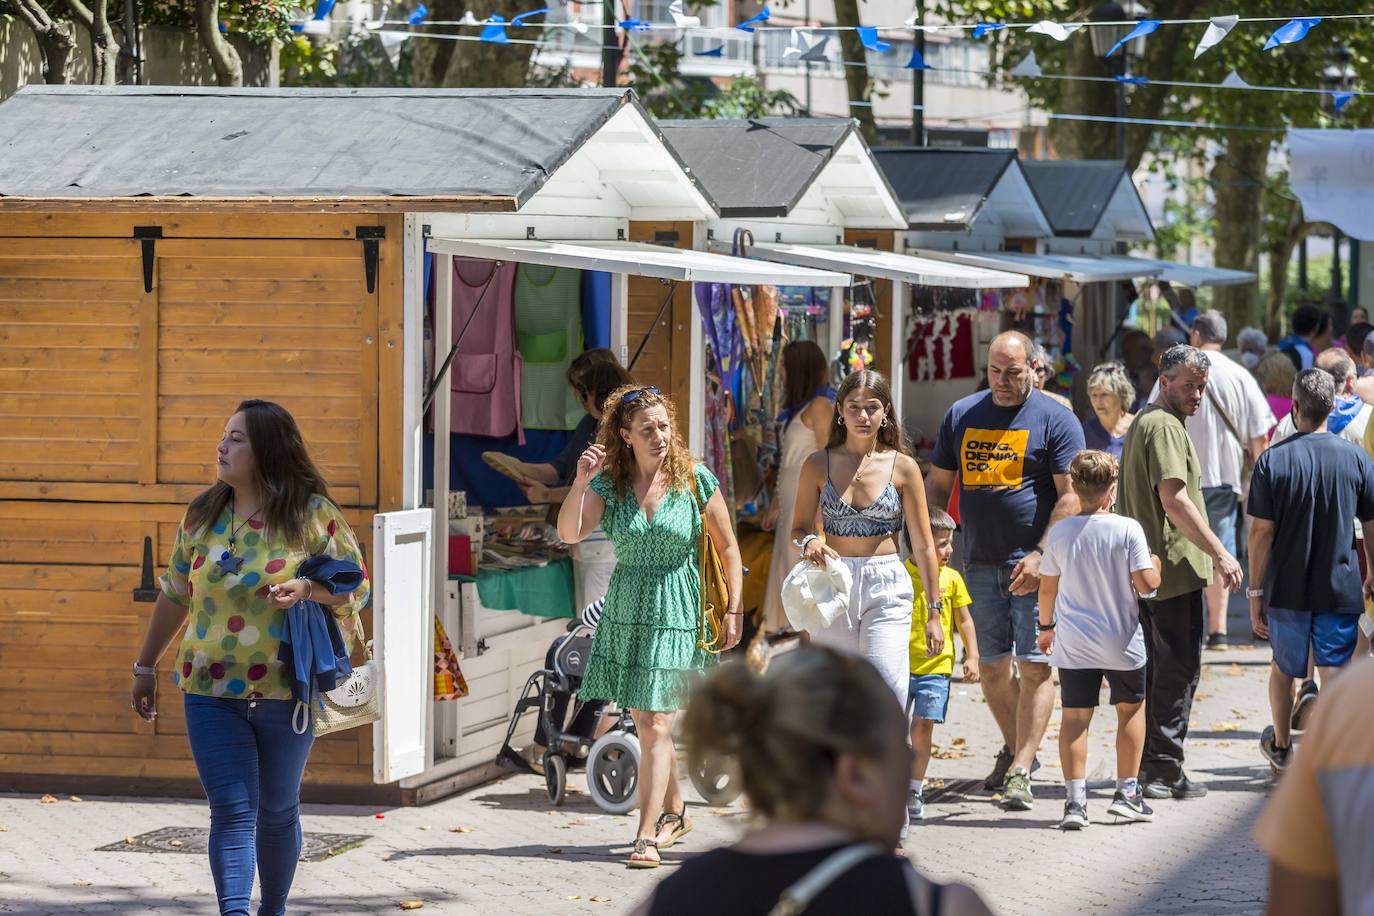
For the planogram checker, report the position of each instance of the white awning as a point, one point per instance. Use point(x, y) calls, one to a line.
point(1076, 267)
point(888, 265)
point(1193, 275)
point(640, 259)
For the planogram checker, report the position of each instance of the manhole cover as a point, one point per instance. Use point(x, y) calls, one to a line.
point(315, 847)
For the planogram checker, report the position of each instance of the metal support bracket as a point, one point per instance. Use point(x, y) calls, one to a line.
point(672, 288)
point(147, 590)
point(370, 236)
point(148, 236)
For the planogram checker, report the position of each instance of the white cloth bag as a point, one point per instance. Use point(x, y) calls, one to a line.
point(813, 597)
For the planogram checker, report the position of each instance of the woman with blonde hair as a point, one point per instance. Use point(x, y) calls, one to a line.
point(639, 483)
point(820, 745)
point(867, 490)
point(1112, 394)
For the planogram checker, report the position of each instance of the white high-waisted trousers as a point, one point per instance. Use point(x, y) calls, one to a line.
point(878, 622)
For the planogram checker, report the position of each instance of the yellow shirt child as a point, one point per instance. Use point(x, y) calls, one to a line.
point(956, 596)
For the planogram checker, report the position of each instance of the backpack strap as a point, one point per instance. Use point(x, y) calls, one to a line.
point(797, 897)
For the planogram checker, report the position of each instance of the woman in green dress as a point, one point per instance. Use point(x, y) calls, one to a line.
point(640, 484)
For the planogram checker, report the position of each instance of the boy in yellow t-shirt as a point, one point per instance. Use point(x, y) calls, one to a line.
point(930, 674)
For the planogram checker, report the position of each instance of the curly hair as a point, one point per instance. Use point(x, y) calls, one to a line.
point(1113, 379)
point(617, 414)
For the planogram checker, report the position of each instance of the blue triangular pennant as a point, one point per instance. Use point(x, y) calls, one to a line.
point(983, 28)
point(518, 20)
point(748, 24)
point(635, 25)
point(1142, 28)
point(868, 34)
point(1341, 99)
point(495, 31)
point(713, 52)
point(1291, 32)
point(1132, 80)
point(917, 61)
point(418, 15)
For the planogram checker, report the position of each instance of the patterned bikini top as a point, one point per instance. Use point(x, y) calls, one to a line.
point(880, 518)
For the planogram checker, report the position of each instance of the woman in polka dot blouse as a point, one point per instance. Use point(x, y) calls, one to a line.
point(230, 581)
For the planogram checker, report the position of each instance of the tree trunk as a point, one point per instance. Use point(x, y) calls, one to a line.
point(56, 40)
point(439, 62)
point(1238, 182)
point(1278, 253)
point(856, 79)
point(223, 58)
point(104, 47)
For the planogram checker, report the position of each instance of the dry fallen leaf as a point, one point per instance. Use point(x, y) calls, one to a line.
point(958, 742)
point(573, 897)
point(81, 884)
point(4, 829)
point(1200, 695)
point(174, 843)
point(1238, 713)
point(1223, 744)
point(425, 827)
point(1235, 670)
point(411, 904)
point(580, 822)
point(1226, 727)
point(130, 840)
point(75, 798)
point(48, 800)
point(601, 899)
point(461, 829)
point(942, 754)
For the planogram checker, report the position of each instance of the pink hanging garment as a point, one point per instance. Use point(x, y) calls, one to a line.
point(486, 371)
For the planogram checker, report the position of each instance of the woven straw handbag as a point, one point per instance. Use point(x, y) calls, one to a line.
point(357, 701)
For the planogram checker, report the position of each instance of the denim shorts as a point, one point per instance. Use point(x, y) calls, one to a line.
point(1221, 514)
point(1005, 624)
point(1331, 637)
point(930, 696)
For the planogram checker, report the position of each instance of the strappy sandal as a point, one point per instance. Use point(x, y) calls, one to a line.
point(684, 826)
point(642, 849)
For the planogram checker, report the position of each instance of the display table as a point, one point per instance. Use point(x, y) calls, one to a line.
point(540, 591)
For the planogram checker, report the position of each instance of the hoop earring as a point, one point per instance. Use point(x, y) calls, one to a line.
point(884, 422)
point(839, 420)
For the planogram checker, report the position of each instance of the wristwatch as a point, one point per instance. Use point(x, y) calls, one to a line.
point(1254, 593)
point(144, 670)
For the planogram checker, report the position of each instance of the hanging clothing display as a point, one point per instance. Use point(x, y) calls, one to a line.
point(486, 373)
point(941, 347)
point(548, 333)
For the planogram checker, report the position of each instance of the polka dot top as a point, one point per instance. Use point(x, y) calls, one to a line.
point(233, 632)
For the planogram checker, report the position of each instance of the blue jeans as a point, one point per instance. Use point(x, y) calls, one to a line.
point(250, 762)
point(1005, 624)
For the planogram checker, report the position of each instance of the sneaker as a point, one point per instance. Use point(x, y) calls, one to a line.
point(1075, 816)
point(998, 776)
point(1216, 642)
point(1016, 791)
point(1302, 707)
point(1277, 756)
point(915, 806)
point(1183, 788)
point(1130, 807)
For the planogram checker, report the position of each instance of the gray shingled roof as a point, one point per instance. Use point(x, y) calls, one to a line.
point(942, 188)
point(496, 146)
point(1074, 193)
point(758, 167)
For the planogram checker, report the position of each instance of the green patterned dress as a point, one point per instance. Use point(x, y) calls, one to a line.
point(645, 653)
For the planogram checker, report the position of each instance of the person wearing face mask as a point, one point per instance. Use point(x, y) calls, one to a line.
point(819, 742)
point(1160, 488)
point(1253, 345)
point(639, 483)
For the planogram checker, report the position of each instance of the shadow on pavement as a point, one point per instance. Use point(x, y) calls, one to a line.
point(614, 853)
point(538, 800)
point(128, 899)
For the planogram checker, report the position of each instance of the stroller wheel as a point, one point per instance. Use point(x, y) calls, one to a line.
point(555, 777)
point(613, 772)
point(716, 779)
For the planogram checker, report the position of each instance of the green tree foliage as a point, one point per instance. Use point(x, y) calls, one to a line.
point(656, 75)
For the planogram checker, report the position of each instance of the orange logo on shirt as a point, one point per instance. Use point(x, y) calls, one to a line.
point(993, 458)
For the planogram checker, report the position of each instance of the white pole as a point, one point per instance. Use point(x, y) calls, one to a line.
point(901, 302)
point(696, 377)
point(412, 364)
point(620, 317)
point(834, 325)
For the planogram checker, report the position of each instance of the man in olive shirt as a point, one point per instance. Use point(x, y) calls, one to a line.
point(1160, 489)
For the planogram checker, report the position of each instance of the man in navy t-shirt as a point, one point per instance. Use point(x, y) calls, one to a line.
point(1009, 449)
point(1306, 594)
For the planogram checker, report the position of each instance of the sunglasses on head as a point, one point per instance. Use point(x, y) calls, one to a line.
point(631, 396)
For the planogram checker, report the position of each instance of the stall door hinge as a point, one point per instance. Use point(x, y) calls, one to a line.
point(370, 236)
point(148, 236)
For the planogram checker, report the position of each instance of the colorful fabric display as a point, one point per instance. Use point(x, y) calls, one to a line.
point(548, 333)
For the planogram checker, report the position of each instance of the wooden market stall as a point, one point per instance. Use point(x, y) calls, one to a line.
point(273, 243)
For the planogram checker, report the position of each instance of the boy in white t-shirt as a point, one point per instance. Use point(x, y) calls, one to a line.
point(1095, 564)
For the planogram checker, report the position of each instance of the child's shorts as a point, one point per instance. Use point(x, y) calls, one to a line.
point(1079, 687)
point(930, 696)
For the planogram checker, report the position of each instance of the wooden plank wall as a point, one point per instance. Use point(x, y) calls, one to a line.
point(666, 361)
point(111, 402)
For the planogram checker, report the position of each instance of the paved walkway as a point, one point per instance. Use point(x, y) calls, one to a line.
point(501, 849)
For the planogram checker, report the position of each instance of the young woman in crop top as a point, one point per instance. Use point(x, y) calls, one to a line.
point(864, 487)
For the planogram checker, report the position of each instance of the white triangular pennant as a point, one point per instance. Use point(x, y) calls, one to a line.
point(816, 51)
point(1027, 67)
point(794, 46)
point(1059, 31)
point(469, 19)
point(380, 21)
point(1234, 81)
point(1217, 29)
point(677, 9)
point(392, 43)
